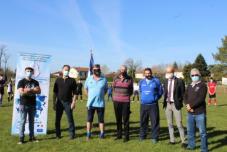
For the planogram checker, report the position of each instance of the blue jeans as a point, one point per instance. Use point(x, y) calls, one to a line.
point(198, 121)
point(25, 111)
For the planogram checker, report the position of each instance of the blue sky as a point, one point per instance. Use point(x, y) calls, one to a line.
point(155, 32)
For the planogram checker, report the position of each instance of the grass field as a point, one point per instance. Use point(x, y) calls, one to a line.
point(216, 126)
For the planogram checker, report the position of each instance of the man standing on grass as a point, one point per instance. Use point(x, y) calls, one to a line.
point(64, 99)
point(28, 88)
point(79, 90)
point(212, 85)
point(151, 91)
point(96, 88)
point(174, 89)
point(194, 99)
point(122, 91)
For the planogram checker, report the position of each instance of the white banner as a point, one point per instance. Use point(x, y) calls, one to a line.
point(41, 65)
point(224, 81)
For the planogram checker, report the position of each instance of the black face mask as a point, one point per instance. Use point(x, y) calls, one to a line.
point(97, 72)
point(124, 74)
point(148, 77)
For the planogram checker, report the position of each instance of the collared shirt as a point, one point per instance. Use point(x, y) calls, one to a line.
point(96, 91)
point(65, 88)
point(170, 94)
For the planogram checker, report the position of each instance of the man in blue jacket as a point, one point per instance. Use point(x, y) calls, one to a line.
point(151, 91)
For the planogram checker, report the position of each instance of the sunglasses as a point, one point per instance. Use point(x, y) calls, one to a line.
point(194, 75)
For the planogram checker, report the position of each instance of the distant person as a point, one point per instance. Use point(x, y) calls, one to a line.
point(10, 90)
point(2, 84)
point(135, 92)
point(122, 91)
point(212, 85)
point(28, 88)
point(174, 89)
point(96, 88)
point(64, 99)
point(194, 99)
point(110, 92)
point(80, 90)
point(151, 91)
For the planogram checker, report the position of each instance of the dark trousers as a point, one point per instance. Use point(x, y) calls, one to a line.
point(122, 110)
point(60, 107)
point(152, 112)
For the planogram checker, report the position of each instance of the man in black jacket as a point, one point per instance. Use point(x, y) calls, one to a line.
point(194, 99)
point(174, 89)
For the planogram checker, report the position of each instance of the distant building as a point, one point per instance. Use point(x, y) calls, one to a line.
point(75, 72)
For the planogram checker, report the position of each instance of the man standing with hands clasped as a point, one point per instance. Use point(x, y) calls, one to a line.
point(64, 99)
point(194, 99)
point(28, 88)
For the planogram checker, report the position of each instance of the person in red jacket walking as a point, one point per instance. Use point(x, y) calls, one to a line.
point(212, 91)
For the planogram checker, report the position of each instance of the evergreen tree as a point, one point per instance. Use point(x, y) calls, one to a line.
point(201, 65)
point(186, 72)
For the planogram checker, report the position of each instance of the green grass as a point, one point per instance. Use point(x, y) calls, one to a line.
point(216, 126)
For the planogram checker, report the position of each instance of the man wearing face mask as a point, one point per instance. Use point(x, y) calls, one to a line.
point(96, 88)
point(150, 91)
point(194, 99)
point(64, 99)
point(174, 89)
point(2, 84)
point(28, 88)
point(122, 91)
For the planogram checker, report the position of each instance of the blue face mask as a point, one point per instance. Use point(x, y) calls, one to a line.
point(66, 73)
point(28, 74)
point(195, 78)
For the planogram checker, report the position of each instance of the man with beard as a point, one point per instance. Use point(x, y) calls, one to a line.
point(122, 90)
point(151, 91)
point(96, 88)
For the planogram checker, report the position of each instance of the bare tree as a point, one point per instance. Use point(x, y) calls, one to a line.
point(2, 52)
point(133, 66)
point(5, 60)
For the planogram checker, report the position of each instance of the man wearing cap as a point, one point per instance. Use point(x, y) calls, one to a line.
point(194, 99)
point(64, 99)
point(28, 88)
point(96, 88)
point(174, 89)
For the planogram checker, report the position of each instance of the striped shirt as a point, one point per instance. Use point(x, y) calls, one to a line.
point(122, 89)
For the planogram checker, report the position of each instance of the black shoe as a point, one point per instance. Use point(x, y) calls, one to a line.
point(72, 137)
point(58, 137)
point(21, 141)
point(33, 139)
point(183, 145)
point(126, 140)
point(172, 143)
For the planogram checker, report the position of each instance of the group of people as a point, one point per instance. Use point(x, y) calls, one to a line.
point(150, 90)
point(3, 83)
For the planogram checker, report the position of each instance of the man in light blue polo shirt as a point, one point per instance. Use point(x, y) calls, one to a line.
point(96, 88)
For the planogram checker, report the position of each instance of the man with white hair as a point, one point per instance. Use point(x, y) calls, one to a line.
point(194, 99)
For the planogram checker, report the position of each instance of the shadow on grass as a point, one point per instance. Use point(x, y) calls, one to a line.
point(213, 134)
point(222, 105)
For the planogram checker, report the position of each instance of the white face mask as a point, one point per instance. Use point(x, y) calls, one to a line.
point(1, 77)
point(169, 75)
